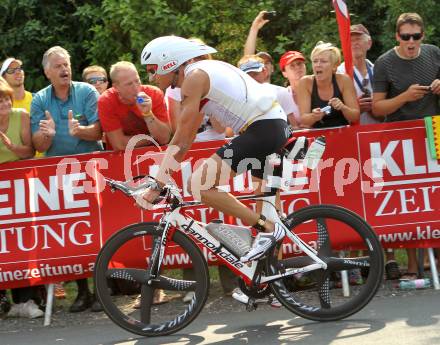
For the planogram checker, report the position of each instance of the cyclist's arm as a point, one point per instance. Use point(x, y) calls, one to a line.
point(194, 87)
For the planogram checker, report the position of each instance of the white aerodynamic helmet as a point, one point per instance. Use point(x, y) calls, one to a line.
point(167, 53)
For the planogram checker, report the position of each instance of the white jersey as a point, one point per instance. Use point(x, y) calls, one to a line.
point(239, 99)
point(208, 132)
point(284, 98)
point(366, 117)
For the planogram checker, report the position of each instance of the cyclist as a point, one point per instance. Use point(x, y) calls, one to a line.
point(249, 108)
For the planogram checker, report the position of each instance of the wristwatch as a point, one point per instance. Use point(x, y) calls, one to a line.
point(148, 117)
point(149, 114)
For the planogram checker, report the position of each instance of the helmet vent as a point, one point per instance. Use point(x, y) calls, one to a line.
point(146, 56)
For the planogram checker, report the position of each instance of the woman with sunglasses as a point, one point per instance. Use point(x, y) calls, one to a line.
point(326, 89)
point(96, 76)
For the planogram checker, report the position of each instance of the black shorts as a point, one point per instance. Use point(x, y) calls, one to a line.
point(249, 150)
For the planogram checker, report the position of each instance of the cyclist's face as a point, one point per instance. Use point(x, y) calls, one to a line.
point(164, 81)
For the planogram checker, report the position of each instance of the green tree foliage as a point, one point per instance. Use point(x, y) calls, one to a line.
point(29, 27)
point(103, 32)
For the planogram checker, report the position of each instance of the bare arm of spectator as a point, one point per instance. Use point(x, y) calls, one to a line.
point(26, 150)
point(292, 121)
point(383, 106)
point(160, 131)
point(118, 140)
point(350, 106)
point(251, 41)
point(91, 132)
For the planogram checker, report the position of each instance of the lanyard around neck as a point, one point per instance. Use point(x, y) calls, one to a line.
point(370, 75)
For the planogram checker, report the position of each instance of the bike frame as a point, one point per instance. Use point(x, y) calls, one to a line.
point(180, 220)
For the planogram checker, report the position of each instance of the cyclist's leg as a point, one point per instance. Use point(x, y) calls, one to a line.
point(249, 149)
point(204, 184)
point(234, 158)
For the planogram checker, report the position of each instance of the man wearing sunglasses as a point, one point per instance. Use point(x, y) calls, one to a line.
point(406, 84)
point(12, 71)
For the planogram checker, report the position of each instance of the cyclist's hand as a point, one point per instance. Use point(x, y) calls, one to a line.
point(146, 200)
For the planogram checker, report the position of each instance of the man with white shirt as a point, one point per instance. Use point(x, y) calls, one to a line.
point(254, 66)
point(362, 71)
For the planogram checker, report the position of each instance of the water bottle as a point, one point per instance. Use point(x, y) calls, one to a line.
point(314, 153)
point(415, 284)
point(237, 239)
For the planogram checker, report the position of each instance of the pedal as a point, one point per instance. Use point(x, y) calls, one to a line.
point(251, 305)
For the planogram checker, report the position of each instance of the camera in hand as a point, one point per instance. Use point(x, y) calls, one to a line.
point(327, 110)
point(366, 93)
point(270, 15)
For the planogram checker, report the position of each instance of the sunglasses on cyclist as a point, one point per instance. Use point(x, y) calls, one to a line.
point(151, 72)
point(406, 37)
point(96, 80)
point(12, 70)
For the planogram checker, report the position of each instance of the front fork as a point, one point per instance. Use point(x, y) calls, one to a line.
point(158, 249)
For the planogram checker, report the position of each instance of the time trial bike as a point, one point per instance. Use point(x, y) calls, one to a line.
point(302, 271)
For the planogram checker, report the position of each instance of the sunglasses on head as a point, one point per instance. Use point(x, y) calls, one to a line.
point(96, 80)
point(12, 70)
point(406, 37)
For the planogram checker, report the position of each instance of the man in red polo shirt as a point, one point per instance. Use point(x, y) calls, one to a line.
point(129, 108)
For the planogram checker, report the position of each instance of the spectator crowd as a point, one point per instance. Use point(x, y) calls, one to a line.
point(71, 117)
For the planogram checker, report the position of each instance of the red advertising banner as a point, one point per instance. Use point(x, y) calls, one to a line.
point(55, 213)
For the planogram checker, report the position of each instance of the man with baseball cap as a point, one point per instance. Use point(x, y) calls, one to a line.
point(362, 70)
point(12, 72)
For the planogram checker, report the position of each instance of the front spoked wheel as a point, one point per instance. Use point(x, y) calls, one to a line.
point(346, 243)
point(142, 304)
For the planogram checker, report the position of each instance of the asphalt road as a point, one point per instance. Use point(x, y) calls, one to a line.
point(408, 319)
